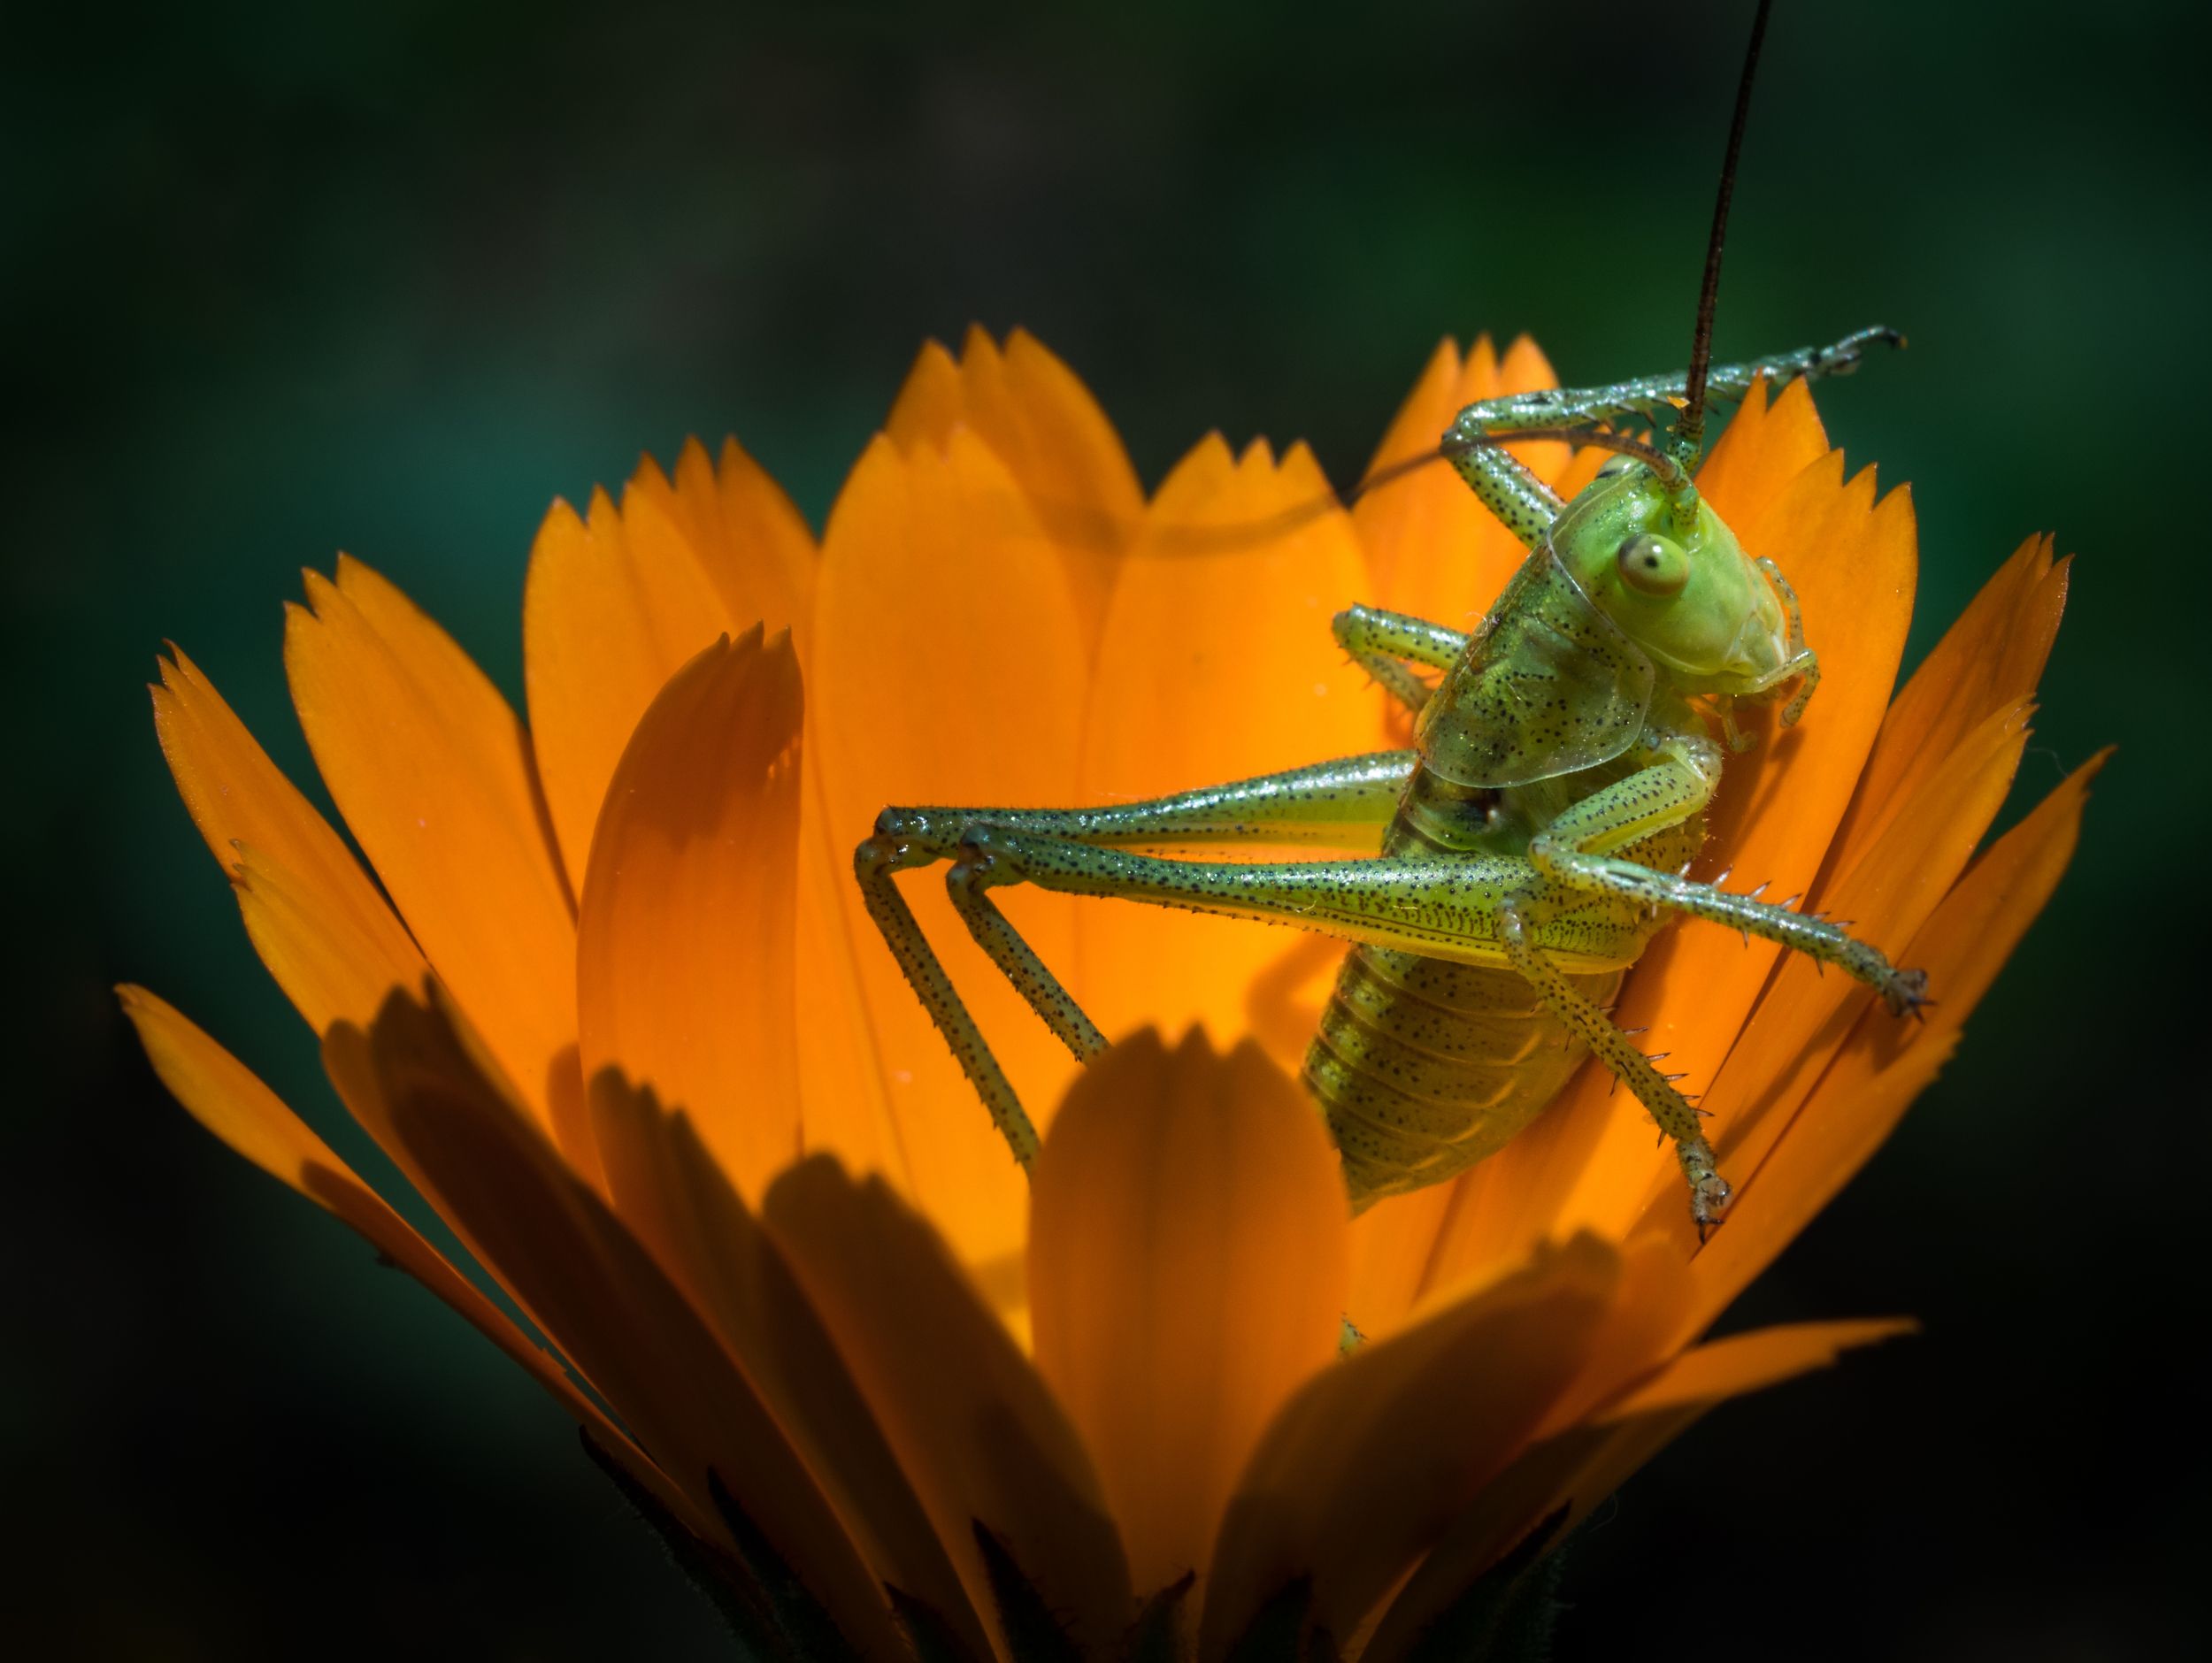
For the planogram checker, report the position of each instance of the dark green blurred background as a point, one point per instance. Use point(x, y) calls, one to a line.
point(389, 276)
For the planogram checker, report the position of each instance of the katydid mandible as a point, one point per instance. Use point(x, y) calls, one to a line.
point(1536, 838)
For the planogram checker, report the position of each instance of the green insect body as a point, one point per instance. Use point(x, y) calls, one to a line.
point(1531, 843)
point(1537, 836)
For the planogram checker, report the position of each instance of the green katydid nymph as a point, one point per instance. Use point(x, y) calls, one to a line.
point(1533, 840)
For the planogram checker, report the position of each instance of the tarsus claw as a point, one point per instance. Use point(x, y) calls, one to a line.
point(1906, 991)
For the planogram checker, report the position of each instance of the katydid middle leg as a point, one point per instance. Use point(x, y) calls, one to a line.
point(1580, 851)
point(1384, 643)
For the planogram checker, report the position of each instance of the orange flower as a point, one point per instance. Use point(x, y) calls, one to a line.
point(624, 1023)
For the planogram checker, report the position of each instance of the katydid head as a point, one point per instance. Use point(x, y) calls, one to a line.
point(1687, 595)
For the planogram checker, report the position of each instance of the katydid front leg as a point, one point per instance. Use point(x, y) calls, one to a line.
point(1651, 397)
point(1526, 505)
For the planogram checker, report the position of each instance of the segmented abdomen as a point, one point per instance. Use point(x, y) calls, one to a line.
point(1423, 1067)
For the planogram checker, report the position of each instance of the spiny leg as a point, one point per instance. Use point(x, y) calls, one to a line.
point(1651, 397)
point(1384, 643)
point(1708, 1191)
point(1800, 661)
point(1344, 802)
point(1520, 501)
point(1526, 506)
point(1435, 909)
point(1482, 909)
point(1017, 961)
point(1328, 802)
point(1478, 909)
point(1577, 850)
point(875, 864)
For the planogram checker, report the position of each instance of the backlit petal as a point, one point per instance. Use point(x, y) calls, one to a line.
point(1991, 657)
point(1375, 1456)
point(336, 963)
point(602, 630)
point(1186, 1267)
point(844, 1094)
point(948, 669)
point(684, 944)
point(1217, 663)
point(1804, 1015)
point(434, 774)
point(1394, 1242)
point(1042, 422)
point(1887, 1062)
point(617, 601)
point(980, 1437)
point(248, 811)
point(753, 543)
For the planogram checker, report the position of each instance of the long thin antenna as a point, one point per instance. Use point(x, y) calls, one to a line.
point(1690, 431)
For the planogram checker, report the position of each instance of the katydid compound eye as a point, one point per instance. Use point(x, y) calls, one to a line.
point(1654, 565)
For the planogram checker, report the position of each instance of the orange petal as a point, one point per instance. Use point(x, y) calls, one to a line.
point(844, 1097)
point(616, 602)
point(1764, 447)
point(599, 1295)
point(1374, 1457)
point(932, 402)
point(753, 543)
point(1186, 1271)
point(227, 1098)
point(1393, 1244)
point(1042, 422)
point(1991, 657)
point(948, 669)
point(434, 774)
point(1751, 1363)
point(1578, 1468)
point(602, 630)
point(1217, 663)
point(354, 950)
point(1432, 549)
point(980, 1437)
point(675, 1195)
point(1804, 1016)
point(683, 947)
point(334, 965)
point(1887, 1062)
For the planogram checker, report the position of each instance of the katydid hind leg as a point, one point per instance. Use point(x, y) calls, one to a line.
point(875, 863)
point(1346, 801)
